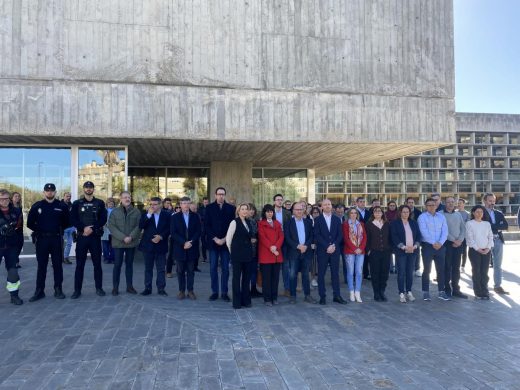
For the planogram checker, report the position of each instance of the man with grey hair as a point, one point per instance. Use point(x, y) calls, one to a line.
point(454, 247)
point(124, 227)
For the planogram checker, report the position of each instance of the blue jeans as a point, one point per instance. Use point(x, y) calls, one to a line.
point(405, 267)
point(67, 235)
point(108, 252)
point(498, 252)
point(214, 255)
point(354, 263)
point(299, 264)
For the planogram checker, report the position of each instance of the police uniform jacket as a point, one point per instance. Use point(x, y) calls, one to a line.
point(48, 218)
point(89, 213)
point(124, 223)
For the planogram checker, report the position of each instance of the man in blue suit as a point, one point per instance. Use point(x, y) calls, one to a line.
point(185, 233)
point(328, 235)
point(298, 239)
point(217, 218)
point(154, 245)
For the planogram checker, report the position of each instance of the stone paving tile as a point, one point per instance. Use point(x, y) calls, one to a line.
point(134, 342)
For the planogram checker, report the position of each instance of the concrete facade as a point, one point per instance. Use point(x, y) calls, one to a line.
point(274, 83)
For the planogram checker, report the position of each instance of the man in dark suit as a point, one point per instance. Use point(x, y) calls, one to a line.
point(185, 233)
point(154, 245)
point(298, 239)
point(217, 218)
point(328, 236)
point(283, 215)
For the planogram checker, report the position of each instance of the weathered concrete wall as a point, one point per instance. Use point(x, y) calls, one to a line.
point(487, 122)
point(286, 70)
point(235, 178)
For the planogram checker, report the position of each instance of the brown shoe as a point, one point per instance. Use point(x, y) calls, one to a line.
point(169, 275)
point(131, 290)
point(501, 291)
point(287, 293)
point(192, 295)
point(181, 295)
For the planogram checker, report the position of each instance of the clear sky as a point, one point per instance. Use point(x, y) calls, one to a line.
point(487, 56)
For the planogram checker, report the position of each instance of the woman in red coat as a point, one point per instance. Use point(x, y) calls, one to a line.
point(354, 243)
point(270, 240)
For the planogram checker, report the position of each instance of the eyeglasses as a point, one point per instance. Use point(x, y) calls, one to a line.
point(221, 194)
point(4, 199)
point(430, 205)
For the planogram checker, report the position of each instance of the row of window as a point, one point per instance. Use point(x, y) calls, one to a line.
point(486, 138)
point(445, 186)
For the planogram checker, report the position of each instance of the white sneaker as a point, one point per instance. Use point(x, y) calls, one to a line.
point(410, 296)
point(352, 297)
point(314, 283)
point(418, 273)
point(402, 298)
point(357, 295)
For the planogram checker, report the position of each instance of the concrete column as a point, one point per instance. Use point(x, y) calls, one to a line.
point(235, 177)
point(311, 186)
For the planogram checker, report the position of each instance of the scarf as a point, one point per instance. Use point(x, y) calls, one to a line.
point(355, 233)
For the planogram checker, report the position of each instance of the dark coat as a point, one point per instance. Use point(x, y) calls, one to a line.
point(378, 239)
point(324, 237)
point(180, 234)
point(499, 225)
point(216, 222)
point(399, 236)
point(241, 246)
point(292, 240)
point(150, 230)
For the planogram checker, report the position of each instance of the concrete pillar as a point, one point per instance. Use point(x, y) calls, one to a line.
point(311, 186)
point(235, 177)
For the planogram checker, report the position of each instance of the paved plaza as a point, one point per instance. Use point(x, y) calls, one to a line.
point(135, 342)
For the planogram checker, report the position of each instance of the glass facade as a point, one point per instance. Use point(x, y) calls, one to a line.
point(267, 182)
point(26, 170)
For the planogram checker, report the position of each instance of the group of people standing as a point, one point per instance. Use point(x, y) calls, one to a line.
point(287, 240)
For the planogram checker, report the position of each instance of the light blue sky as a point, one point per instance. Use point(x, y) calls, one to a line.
point(487, 56)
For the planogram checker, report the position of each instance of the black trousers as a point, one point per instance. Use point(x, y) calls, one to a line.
point(464, 253)
point(84, 245)
point(479, 271)
point(379, 269)
point(240, 284)
point(45, 246)
point(270, 281)
point(9, 254)
point(126, 255)
point(169, 257)
point(367, 268)
point(186, 274)
point(452, 268)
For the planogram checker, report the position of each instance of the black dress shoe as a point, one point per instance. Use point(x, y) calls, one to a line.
point(197, 270)
point(458, 294)
point(213, 297)
point(146, 292)
point(100, 292)
point(38, 294)
point(58, 293)
point(75, 295)
point(248, 306)
point(255, 293)
point(323, 301)
point(162, 292)
point(19, 266)
point(377, 298)
point(16, 300)
point(225, 298)
point(383, 297)
point(115, 292)
point(339, 300)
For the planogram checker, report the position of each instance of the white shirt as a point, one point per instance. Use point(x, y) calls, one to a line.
point(156, 217)
point(479, 235)
point(328, 218)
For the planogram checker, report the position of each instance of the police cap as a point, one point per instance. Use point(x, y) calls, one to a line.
point(88, 184)
point(49, 187)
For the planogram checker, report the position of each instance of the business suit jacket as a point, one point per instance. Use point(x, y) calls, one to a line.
point(292, 240)
point(399, 236)
point(216, 222)
point(324, 237)
point(499, 225)
point(180, 234)
point(150, 230)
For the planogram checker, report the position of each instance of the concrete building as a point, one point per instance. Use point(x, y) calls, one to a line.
point(221, 90)
point(486, 158)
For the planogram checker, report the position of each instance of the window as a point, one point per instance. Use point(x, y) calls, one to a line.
point(499, 151)
point(446, 186)
point(428, 187)
point(463, 138)
point(464, 186)
point(446, 175)
point(412, 187)
point(515, 187)
point(373, 188)
point(481, 175)
point(320, 187)
point(446, 163)
point(464, 163)
point(514, 175)
point(499, 175)
point(464, 151)
point(372, 175)
point(498, 187)
point(392, 187)
point(498, 139)
point(514, 152)
point(429, 175)
point(514, 164)
point(498, 163)
point(464, 175)
point(411, 175)
point(393, 175)
point(428, 163)
point(93, 163)
point(336, 187)
point(447, 151)
point(481, 138)
point(481, 187)
point(356, 175)
point(356, 187)
point(411, 162)
point(514, 139)
point(481, 163)
point(481, 151)
point(393, 163)
point(337, 176)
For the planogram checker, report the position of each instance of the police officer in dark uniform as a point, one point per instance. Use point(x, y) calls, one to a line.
point(10, 220)
point(47, 219)
point(88, 215)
